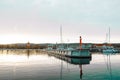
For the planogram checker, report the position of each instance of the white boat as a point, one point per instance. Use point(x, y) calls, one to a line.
point(109, 49)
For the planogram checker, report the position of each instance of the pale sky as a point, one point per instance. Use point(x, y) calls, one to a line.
point(38, 21)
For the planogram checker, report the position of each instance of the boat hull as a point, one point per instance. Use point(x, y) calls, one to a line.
point(110, 51)
point(84, 53)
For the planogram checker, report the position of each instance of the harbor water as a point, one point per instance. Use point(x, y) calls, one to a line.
point(37, 65)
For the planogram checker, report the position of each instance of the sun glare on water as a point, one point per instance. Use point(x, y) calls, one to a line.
point(12, 58)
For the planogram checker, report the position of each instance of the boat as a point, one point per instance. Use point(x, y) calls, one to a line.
point(70, 52)
point(78, 53)
point(109, 48)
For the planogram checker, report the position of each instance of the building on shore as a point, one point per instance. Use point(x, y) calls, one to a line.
point(28, 45)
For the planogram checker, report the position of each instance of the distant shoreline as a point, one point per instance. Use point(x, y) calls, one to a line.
point(54, 46)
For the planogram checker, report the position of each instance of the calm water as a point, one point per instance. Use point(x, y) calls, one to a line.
point(36, 65)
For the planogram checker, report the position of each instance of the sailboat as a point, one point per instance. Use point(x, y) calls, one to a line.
point(109, 48)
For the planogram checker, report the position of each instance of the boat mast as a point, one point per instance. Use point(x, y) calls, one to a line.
point(109, 35)
point(106, 40)
point(61, 34)
point(61, 70)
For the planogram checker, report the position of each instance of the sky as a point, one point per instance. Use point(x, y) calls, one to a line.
point(39, 21)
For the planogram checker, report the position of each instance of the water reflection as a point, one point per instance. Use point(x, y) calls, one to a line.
point(37, 65)
point(108, 63)
point(75, 61)
point(28, 53)
point(14, 55)
point(23, 64)
point(80, 62)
